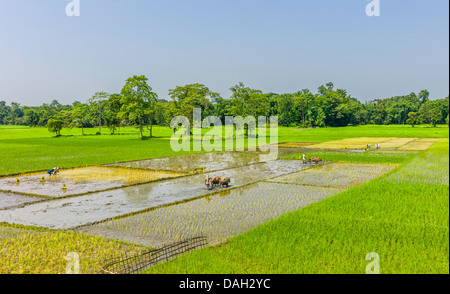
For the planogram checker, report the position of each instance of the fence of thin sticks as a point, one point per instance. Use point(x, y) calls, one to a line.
point(136, 263)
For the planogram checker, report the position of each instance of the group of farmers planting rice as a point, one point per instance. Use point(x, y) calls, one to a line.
point(368, 146)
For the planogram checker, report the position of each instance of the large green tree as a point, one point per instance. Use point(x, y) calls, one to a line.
point(80, 116)
point(97, 104)
point(137, 98)
point(55, 126)
point(413, 119)
point(248, 102)
point(112, 112)
point(186, 98)
point(31, 117)
point(434, 112)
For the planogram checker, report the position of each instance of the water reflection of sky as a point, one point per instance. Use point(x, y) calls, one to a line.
point(210, 161)
point(71, 212)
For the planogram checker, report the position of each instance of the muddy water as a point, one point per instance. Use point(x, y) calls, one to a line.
point(80, 181)
point(218, 217)
point(209, 161)
point(8, 200)
point(96, 179)
point(52, 187)
point(80, 210)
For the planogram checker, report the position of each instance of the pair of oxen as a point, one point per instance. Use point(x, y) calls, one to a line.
point(316, 160)
point(217, 182)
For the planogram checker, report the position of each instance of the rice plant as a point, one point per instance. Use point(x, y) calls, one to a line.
point(339, 174)
point(406, 224)
point(418, 145)
point(403, 144)
point(401, 217)
point(376, 156)
point(30, 250)
point(218, 217)
point(126, 176)
point(430, 167)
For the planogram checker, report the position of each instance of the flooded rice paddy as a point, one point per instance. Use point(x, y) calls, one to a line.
point(218, 217)
point(8, 200)
point(80, 181)
point(76, 211)
point(178, 205)
point(204, 162)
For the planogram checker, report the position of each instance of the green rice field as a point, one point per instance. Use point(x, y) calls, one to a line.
point(405, 221)
point(320, 219)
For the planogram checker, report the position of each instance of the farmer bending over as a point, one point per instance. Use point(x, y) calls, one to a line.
point(53, 171)
point(50, 171)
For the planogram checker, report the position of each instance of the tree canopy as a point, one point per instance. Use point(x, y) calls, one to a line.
point(137, 104)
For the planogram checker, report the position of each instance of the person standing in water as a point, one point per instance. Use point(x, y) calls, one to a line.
point(208, 182)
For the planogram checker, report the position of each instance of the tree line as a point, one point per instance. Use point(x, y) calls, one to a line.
point(137, 104)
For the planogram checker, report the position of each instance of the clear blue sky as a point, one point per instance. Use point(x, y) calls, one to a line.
point(276, 46)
